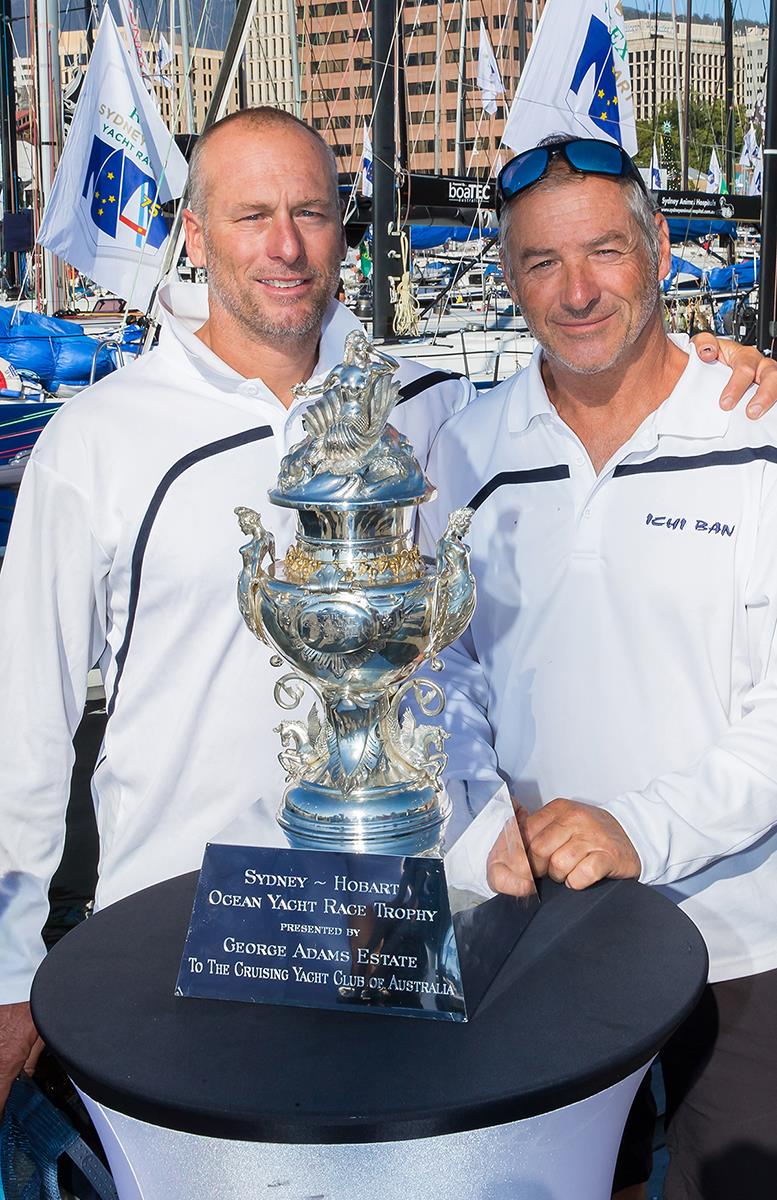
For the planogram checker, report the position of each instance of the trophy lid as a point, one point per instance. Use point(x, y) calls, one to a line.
point(351, 457)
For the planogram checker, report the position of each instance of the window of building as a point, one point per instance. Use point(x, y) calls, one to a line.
point(424, 58)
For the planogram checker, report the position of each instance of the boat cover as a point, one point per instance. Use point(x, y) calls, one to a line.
point(54, 351)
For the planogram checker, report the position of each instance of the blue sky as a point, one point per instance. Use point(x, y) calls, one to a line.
point(747, 10)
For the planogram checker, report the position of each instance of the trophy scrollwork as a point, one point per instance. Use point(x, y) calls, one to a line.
point(354, 610)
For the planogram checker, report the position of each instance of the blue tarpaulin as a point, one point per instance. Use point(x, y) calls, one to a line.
point(424, 237)
point(683, 230)
point(740, 277)
point(56, 352)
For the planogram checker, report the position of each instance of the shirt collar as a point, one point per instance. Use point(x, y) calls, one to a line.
point(691, 409)
point(185, 310)
point(528, 398)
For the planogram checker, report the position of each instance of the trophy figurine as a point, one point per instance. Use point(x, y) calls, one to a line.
point(354, 610)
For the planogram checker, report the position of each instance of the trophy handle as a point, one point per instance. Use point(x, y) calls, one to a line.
point(418, 747)
point(253, 553)
point(453, 599)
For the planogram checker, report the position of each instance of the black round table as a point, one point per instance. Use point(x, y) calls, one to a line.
point(593, 989)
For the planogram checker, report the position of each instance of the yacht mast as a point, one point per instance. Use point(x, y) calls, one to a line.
point(49, 90)
point(291, 8)
point(437, 91)
point(8, 131)
point(686, 134)
point(678, 87)
point(385, 241)
point(728, 40)
point(767, 291)
point(183, 8)
point(460, 116)
point(173, 79)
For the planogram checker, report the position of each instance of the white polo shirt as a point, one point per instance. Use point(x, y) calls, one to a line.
point(622, 650)
point(124, 551)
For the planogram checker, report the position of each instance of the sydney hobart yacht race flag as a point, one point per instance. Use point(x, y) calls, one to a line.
point(118, 166)
point(576, 79)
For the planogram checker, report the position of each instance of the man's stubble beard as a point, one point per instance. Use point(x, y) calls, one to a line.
point(253, 317)
point(649, 306)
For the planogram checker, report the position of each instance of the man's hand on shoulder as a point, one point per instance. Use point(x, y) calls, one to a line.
point(748, 367)
point(20, 1045)
point(577, 844)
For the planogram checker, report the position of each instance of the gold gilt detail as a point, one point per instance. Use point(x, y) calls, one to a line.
point(399, 567)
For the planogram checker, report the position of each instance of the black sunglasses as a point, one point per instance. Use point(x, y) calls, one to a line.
point(586, 155)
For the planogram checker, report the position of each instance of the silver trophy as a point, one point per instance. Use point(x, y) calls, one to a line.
point(355, 610)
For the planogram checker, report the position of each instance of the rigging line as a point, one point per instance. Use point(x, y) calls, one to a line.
point(345, 75)
point(504, 102)
point(171, 142)
point(445, 38)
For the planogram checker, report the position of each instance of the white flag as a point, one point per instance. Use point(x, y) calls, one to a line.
point(164, 59)
point(118, 165)
point(489, 79)
point(655, 170)
point(749, 148)
point(576, 79)
point(366, 163)
point(714, 173)
point(756, 180)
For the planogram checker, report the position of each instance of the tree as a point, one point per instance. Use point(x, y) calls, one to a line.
point(707, 129)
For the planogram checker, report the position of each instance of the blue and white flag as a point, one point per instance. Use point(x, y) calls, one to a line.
point(749, 148)
point(119, 165)
point(366, 163)
point(576, 79)
point(655, 170)
point(489, 78)
point(756, 179)
point(164, 60)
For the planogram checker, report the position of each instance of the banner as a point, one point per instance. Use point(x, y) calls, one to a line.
point(118, 166)
point(366, 163)
point(576, 79)
point(489, 79)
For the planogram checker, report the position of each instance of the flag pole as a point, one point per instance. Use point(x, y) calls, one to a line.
point(49, 91)
point(218, 106)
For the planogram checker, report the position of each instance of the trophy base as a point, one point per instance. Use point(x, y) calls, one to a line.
point(402, 819)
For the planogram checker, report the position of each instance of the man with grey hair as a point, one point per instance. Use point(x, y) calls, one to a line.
point(620, 672)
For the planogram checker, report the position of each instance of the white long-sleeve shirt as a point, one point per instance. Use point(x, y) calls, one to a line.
point(623, 647)
point(124, 551)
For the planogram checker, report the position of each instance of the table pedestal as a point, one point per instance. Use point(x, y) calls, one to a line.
point(568, 1152)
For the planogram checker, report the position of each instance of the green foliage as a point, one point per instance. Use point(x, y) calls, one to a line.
point(707, 129)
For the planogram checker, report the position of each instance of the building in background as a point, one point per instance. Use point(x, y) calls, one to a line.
point(334, 47)
point(755, 45)
point(335, 54)
point(73, 58)
point(654, 72)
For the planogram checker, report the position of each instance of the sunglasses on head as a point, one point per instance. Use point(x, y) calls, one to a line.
point(588, 156)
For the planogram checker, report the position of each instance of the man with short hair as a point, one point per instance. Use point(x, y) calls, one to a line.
point(124, 549)
point(620, 671)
